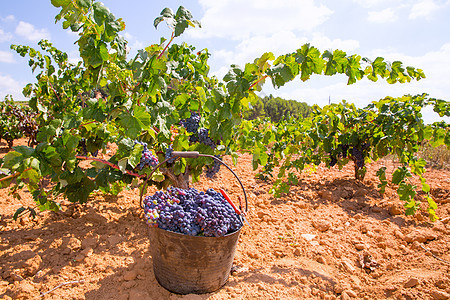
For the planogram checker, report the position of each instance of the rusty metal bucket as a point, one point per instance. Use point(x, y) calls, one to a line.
point(185, 264)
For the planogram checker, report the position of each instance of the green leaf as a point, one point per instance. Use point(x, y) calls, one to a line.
point(18, 212)
point(59, 3)
point(11, 160)
point(32, 175)
point(194, 104)
point(157, 21)
point(406, 191)
point(425, 188)
point(180, 27)
point(143, 117)
point(158, 176)
point(85, 3)
point(103, 51)
point(135, 156)
point(292, 178)
point(431, 203)
point(79, 191)
point(180, 100)
point(130, 124)
point(167, 13)
point(400, 174)
point(161, 124)
point(123, 164)
point(101, 12)
point(70, 141)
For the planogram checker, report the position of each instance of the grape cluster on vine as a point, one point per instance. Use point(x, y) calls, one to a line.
point(344, 149)
point(169, 154)
point(191, 212)
point(358, 156)
point(147, 158)
point(357, 153)
point(192, 125)
point(82, 148)
point(17, 121)
point(203, 136)
point(214, 169)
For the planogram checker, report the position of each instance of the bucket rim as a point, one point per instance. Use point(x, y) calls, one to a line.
point(195, 236)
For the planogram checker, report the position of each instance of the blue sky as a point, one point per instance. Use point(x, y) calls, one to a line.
point(237, 31)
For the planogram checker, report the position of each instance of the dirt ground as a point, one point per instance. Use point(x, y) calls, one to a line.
point(331, 237)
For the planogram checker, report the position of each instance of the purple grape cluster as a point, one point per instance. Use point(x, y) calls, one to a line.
point(191, 212)
point(344, 148)
point(169, 155)
point(192, 123)
point(83, 148)
point(359, 157)
point(147, 158)
point(333, 161)
point(203, 136)
point(214, 169)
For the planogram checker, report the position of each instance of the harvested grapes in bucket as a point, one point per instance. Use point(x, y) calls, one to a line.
point(191, 212)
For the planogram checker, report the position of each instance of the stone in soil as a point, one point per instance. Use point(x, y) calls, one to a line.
point(321, 225)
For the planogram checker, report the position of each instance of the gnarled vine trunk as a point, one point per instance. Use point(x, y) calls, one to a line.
point(181, 181)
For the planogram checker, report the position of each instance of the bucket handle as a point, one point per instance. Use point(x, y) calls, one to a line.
point(190, 154)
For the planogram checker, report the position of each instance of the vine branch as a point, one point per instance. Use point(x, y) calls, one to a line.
point(15, 174)
point(258, 81)
point(109, 164)
point(62, 284)
point(167, 46)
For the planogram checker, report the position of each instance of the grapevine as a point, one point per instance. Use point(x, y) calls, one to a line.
point(341, 133)
point(164, 98)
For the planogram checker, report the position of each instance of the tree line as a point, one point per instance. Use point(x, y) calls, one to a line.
point(275, 108)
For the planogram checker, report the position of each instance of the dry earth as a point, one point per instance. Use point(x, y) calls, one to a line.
point(308, 244)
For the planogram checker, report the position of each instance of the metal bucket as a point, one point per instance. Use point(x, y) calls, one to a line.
point(186, 264)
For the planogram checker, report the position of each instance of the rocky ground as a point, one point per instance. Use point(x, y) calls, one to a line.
point(331, 237)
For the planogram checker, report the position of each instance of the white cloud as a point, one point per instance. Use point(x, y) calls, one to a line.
point(9, 86)
point(384, 16)
point(133, 43)
point(9, 18)
point(322, 42)
point(74, 57)
point(6, 57)
point(238, 20)
point(5, 36)
point(372, 3)
point(29, 32)
point(251, 48)
point(424, 8)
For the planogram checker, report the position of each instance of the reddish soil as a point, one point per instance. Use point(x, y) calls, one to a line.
point(308, 244)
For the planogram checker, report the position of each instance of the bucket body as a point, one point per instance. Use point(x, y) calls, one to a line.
point(186, 264)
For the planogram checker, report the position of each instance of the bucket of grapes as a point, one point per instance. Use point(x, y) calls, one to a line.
point(193, 235)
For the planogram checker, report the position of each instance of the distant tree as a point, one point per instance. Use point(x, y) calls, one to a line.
point(276, 108)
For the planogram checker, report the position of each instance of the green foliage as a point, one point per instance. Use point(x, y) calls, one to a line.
point(339, 133)
point(108, 98)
